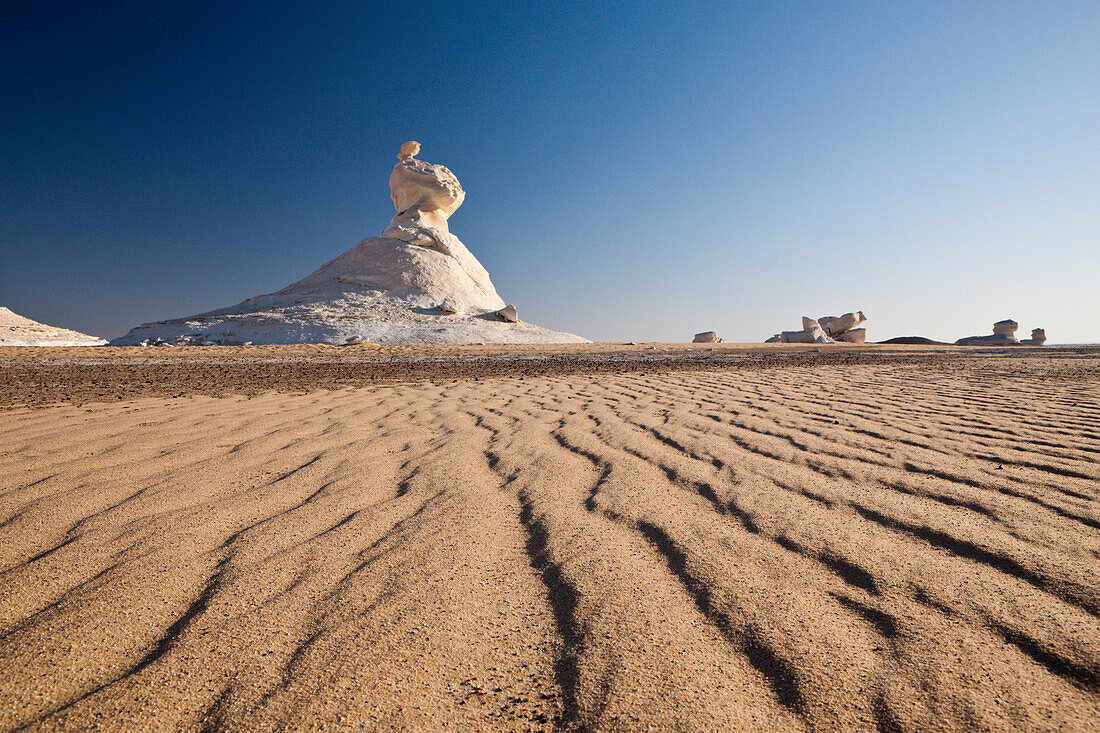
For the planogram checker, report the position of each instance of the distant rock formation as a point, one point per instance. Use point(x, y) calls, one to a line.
point(707, 337)
point(853, 336)
point(15, 330)
point(825, 330)
point(414, 283)
point(836, 326)
point(1038, 338)
point(1004, 334)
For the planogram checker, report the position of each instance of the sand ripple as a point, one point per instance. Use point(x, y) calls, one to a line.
point(882, 547)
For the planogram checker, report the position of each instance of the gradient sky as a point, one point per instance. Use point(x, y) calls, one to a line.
point(634, 171)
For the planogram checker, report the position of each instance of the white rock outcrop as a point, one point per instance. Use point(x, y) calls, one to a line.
point(1038, 338)
point(854, 336)
point(16, 330)
point(805, 336)
point(825, 330)
point(707, 337)
point(1003, 335)
point(414, 283)
point(833, 326)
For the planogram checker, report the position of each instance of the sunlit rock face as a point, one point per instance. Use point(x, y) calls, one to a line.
point(414, 283)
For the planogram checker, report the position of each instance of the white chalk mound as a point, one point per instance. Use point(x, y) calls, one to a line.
point(15, 330)
point(415, 283)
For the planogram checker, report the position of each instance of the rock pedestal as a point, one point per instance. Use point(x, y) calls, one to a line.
point(1003, 335)
point(414, 283)
point(1038, 338)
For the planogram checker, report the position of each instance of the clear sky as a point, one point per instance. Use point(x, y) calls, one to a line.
point(634, 171)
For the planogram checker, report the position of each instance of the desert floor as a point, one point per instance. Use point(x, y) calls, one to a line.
point(604, 537)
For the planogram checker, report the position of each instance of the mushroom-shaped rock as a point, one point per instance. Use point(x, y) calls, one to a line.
point(997, 339)
point(707, 337)
point(1038, 338)
point(508, 313)
point(423, 194)
point(414, 283)
point(1003, 335)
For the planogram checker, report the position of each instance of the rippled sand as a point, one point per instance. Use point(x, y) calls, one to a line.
point(889, 546)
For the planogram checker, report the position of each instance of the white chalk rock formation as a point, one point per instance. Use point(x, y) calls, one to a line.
point(825, 330)
point(854, 336)
point(836, 326)
point(414, 283)
point(1003, 335)
point(707, 337)
point(805, 336)
point(15, 330)
point(1038, 338)
point(509, 313)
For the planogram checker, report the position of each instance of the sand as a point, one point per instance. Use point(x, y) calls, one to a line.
point(597, 538)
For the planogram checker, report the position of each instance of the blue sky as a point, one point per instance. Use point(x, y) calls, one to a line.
point(636, 171)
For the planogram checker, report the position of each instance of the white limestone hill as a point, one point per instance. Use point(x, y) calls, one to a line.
point(381, 290)
point(15, 330)
point(416, 283)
